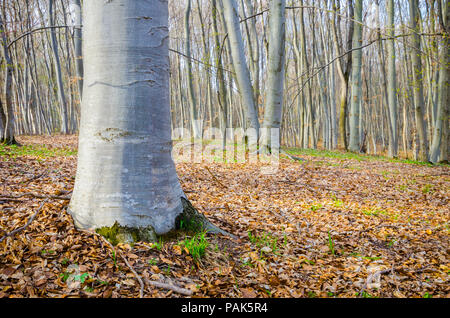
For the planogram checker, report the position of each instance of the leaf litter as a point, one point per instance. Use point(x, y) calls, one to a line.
point(326, 227)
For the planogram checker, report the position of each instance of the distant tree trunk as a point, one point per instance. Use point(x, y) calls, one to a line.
point(417, 74)
point(356, 81)
point(391, 82)
point(275, 70)
point(7, 112)
point(196, 133)
point(240, 63)
point(255, 55)
point(343, 70)
point(75, 9)
point(59, 81)
point(440, 145)
point(221, 92)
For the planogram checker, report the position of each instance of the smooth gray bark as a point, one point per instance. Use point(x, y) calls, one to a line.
point(221, 88)
point(275, 72)
point(240, 64)
point(196, 133)
point(391, 83)
point(440, 144)
point(7, 113)
point(356, 81)
point(57, 66)
point(417, 83)
point(75, 10)
point(125, 171)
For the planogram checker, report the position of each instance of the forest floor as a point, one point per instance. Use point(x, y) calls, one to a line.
point(335, 225)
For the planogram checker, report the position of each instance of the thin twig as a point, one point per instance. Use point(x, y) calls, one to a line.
point(141, 291)
point(179, 290)
point(34, 195)
point(116, 252)
point(215, 178)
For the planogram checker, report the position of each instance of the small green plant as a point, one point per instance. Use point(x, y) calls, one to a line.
point(158, 244)
point(45, 252)
point(246, 262)
point(365, 295)
point(64, 276)
point(153, 261)
point(196, 245)
point(310, 262)
point(114, 258)
point(376, 258)
point(427, 188)
point(427, 295)
point(374, 212)
point(312, 294)
point(102, 282)
point(265, 240)
point(167, 270)
point(331, 243)
point(81, 278)
point(391, 243)
point(316, 207)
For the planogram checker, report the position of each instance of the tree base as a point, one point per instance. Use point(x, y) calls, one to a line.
point(10, 142)
point(190, 220)
point(127, 235)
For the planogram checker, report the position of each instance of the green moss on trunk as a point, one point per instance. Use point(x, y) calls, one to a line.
point(127, 235)
point(189, 221)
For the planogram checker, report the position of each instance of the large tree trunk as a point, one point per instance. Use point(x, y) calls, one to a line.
point(275, 70)
point(125, 171)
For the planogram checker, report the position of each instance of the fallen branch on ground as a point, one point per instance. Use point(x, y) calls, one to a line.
point(179, 290)
point(34, 195)
point(26, 225)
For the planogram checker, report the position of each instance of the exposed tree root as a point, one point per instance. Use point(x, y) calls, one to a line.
point(193, 220)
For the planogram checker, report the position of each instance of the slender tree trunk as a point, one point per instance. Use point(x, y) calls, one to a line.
point(343, 70)
point(75, 9)
point(391, 82)
point(275, 70)
point(440, 145)
point(240, 63)
point(7, 116)
point(356, 81)
point(221, 92)
point(57, 65)
point(417, 74)
point(196, 133)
